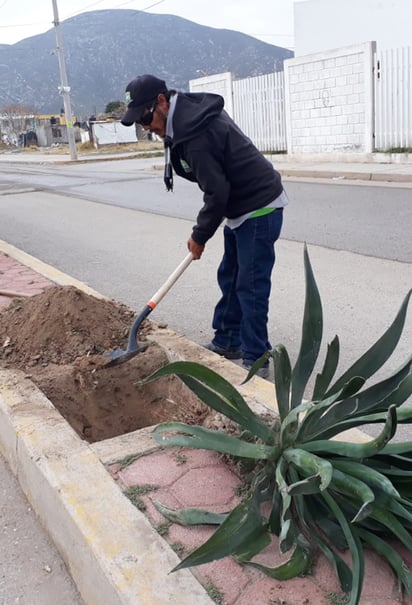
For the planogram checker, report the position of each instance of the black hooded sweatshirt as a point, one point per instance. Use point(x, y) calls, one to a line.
point(208, 148)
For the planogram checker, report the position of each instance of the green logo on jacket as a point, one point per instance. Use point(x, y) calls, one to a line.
point(185, 165)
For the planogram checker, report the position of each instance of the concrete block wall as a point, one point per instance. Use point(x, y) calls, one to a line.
point(329, 101)
point(220, 84)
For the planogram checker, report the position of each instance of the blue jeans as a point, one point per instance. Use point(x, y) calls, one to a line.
point(244, 276)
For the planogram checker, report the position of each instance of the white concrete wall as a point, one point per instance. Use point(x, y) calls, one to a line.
point(106, 133)
point(326, 24)
point(329, 101)
point(220, 84)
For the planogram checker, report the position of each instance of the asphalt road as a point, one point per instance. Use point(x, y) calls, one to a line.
point(112, 225)
point(372, 220)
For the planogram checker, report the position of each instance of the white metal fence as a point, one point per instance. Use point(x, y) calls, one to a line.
point(258, 104)
point(393, 98)
point(259, 110)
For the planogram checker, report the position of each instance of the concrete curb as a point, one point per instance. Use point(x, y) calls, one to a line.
point(345, 175)
point(278, 160)
point(113, 559)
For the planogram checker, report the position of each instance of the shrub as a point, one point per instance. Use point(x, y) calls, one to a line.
point(325, 495)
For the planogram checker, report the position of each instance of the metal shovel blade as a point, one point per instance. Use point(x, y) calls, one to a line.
point(120, 356)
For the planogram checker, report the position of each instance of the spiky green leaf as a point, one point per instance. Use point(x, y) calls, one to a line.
point(386, 551)
point(309, 427)
point(283, 375)
point(379, 353)
point(355, 547)
point(216, 392)
point(180, 434)
point(358, 490)
point(257, 365)
point(324, 378)
point(288, 531)
point(242, 527)
point(298, 564)
point(356, 450)
point(189, 516)
point(367, 401)
point(391, 449)
point(366, 474)
point(396, 527)
point(334, 535)
point(310, 464)
point(312, 329)
point(310, 485)
point(290, 425)
point(403, 415)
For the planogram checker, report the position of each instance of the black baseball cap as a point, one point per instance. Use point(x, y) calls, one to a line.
point(141, 93)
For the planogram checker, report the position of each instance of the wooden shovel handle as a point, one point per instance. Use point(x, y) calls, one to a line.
point(13, 294)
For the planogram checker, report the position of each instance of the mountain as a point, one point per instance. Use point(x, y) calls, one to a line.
point(105, 49)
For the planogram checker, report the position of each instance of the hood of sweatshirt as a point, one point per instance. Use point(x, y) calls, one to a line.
point(193, 113)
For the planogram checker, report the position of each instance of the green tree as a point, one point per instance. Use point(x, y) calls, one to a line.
point(115, 107)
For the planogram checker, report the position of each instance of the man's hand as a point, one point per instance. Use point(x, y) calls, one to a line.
point(195, 248)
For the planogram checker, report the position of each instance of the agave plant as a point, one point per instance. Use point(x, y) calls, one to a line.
point(321, 494)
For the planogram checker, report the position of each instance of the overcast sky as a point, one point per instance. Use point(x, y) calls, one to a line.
point(268, 20)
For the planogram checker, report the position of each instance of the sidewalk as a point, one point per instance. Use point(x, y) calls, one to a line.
point(108, 544)
point(32, 571)
point(378, 167)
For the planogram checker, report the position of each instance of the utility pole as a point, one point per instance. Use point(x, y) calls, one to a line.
point(64, 88)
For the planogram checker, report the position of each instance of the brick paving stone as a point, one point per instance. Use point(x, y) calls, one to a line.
point(15, 276)
point(190, 537)
point(376, 567)
point(227, 576)
point(166, 498)
point(159, 468)
point(271, 592)
point(196, 458)
point(205, 486)
point(325, 574)
point(197, 478)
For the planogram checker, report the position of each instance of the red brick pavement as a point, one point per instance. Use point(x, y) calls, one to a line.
point(185, 478)
point(18, 278)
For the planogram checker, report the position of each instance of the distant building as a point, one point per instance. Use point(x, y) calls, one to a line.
point(51, 129)
point(326, 24)
point(44, 130)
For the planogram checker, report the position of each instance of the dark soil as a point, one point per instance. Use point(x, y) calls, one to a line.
point(58, 338)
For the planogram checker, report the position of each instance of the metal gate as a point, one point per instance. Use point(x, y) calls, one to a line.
point(393, 99)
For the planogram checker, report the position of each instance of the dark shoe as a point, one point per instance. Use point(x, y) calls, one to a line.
point(263, 372)
point(229, 354)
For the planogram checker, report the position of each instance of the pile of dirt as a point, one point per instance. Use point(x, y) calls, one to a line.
point(58, 337)
point(58, 325)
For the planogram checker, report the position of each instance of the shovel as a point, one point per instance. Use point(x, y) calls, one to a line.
point(120, 356)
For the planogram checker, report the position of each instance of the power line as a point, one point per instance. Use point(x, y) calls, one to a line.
point(37, 23)
point(25, 24)
point(115, 7)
